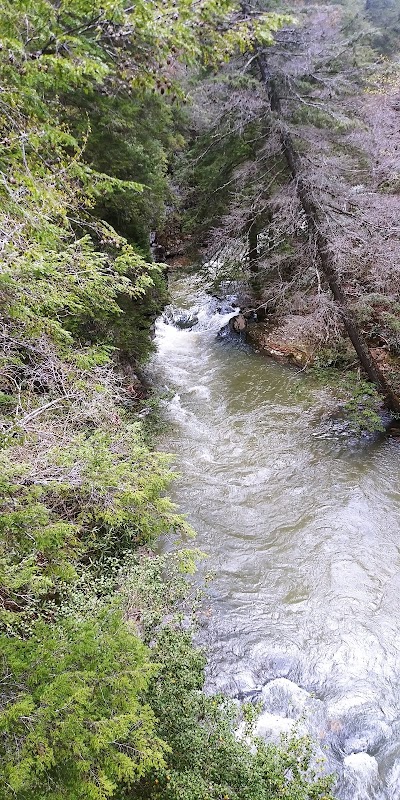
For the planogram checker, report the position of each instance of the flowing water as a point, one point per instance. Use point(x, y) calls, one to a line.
point(302, 530)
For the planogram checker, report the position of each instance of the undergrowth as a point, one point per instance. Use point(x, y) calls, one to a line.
point(101, 686)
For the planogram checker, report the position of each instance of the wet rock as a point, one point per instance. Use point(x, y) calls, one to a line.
point(179, 317)
point(186, 321)
point(260, 336)
point(225, 332)
point(245, 684)
point(289, 340)
point(225, 305)
point(237, 292)
point(238, 324)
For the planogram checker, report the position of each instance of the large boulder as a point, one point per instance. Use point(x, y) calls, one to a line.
point(288, 340)
point(238, 324)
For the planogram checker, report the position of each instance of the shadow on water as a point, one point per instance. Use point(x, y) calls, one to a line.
point(302, 530)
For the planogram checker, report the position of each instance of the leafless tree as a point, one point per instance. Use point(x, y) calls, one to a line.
point(312, 199)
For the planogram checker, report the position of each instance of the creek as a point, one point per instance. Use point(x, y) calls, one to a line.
point(302, 530)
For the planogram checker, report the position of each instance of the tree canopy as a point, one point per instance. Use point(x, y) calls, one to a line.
point(101, 686)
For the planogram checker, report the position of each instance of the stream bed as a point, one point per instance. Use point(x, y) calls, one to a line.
point(302, 531)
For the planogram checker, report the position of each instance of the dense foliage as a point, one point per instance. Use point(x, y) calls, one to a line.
point(101, 685)
point(283, 223)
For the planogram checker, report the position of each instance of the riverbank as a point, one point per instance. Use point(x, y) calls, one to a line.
point(301, 339)
point(103, 684)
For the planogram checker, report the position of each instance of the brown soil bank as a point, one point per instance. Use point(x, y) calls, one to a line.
point(287, 340)
point(293, 339)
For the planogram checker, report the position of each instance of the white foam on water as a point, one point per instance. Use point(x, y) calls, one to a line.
point(394, 781)
point(362, 776)
point(302, 534)
point(272, 726)
point(286, 697)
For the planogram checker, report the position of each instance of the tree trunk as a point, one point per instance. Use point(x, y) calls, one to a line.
point(252, 236)
point(313, 214)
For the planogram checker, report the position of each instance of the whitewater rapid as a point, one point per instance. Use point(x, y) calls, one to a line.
point(302, 531)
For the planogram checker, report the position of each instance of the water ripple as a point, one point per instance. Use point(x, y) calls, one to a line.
point(302, 530)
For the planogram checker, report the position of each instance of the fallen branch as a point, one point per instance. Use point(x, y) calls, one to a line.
point(33, 414)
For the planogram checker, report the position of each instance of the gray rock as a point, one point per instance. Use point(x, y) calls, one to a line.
point(179, 317)
point(238, 323)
